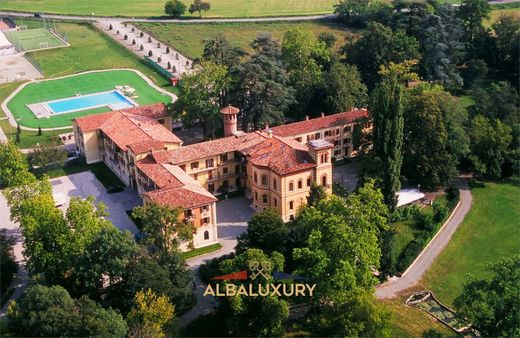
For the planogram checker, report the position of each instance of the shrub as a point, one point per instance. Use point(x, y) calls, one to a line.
point(174, 8)
point(110, 27)
point(133, 42)
point(117, 33)
point(169, 65)
point(409, 254)
point(167, 50)
point(440, 212)
point(141, 34)
point(133, 29)
point(150, 53)
point(141, 48)
point(174, 70)
point(125, 37)
point(211, 269)
point(425, 221)
point(149, 39)
point(176, 56)
point(158, 45)
point(159, 59)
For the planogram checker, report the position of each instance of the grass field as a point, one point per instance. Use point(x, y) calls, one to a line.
point(189, 38)
point(138, 8)
point(488, 234)
point(83, 84)
point(33, 39)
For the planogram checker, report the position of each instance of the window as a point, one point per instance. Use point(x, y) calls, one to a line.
point(275, 184)
point(264, 180)
point(275, 202)
point(299, 139)
point(291, 205)
point(161, 121)
point(309, 182)
point(255, 178)
point(300, 184)
point(291, 186)
point(211, 187)
point(317, 136)
point(225, 184)
point(346, 140)
point(225, 171)
point(209, 163)
point(326, 133)
point(204, 208)
point(324, 180)
point(337, 153)
point(204, 221)
point(210, 175)
point(291, 217)
point(195, 176)
point(206, 235)
point(224, 157)
point(183, 167)
point(194, 165)
point(336, 143)
point(256, 196)
point(237, 169)
point(347, 129)
point(308, 137)
point(188, 213)
point(264, 198)
point(324, 158)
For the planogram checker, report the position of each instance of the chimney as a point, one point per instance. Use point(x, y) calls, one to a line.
point(306, 117)
point(269, 133)
point(322, 114)
point(266, 126)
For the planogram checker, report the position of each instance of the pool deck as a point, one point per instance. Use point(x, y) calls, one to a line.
point(12, 119)
point(39, 110)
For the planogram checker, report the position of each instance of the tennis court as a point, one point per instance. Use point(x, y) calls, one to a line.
point(34, 39)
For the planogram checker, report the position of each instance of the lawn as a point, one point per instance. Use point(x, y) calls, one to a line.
point(83, 84)
point(201, 251)
point(488, 234)
point(138, 8)
point(188, 39)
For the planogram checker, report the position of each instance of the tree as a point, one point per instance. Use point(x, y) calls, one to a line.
point(199, 6)
point(491, 304)
point(305, 58)
point(162, 226)
point(352, 12)
point(8, 265)
point(472, 13)
point(40, 133)
point(387, 108)
point(499, 101)
point(266, 231)
point(339, 255)
point(50, 311)
point(13, 166)
point(378, 46)
point(327, 38)
point(507, 42)
point(263, 91)
point(427, 160)
point(202, 96)
point(44, 156)
point(490, 141)
point(174, 8)
point(316, 194)
point(150, 315)
point(220, 51)
point(475, 73)
point(344, 89)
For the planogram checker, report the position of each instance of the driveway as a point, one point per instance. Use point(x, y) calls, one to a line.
point(232, 216)
point(85, 184)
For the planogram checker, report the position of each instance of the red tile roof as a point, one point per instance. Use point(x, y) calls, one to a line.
point(183, 197)
point(155, 111)
point(318, 123)
point(208, 149)
point(280, 155)
point(128, 129)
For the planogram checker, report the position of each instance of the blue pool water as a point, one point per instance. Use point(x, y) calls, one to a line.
point(113, 98)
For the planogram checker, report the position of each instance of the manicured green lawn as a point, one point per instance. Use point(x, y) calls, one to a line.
point(488, 234)
point(31, 39)
point(131, 8)
point(201, 251)
point(82, 84)
point(189, 38)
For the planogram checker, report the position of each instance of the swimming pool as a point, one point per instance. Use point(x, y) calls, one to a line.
point(112, 99)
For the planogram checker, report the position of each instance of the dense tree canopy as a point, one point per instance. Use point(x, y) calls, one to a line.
point(491, 304)
point(174, 8)
point(150, 315)
point(8, 265)
point(266, 231)
point(343, 89)
point(13, 166)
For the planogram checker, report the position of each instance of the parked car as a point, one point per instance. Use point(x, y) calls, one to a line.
point(115, 188)
point(38, 15)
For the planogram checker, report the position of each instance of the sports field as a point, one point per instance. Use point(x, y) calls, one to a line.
point(189, 38)
point(82, 84)
point(34, 39)
point(139, 8)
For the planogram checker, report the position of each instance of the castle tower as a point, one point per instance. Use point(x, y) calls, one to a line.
point(321, 152)
point(229, 117)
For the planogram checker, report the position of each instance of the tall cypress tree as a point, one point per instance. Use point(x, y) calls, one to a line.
point(387, 108)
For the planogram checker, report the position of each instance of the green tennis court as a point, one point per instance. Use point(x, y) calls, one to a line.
point(34, 39)
point(86, 83)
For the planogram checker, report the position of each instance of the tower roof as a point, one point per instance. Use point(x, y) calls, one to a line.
point(230, 110)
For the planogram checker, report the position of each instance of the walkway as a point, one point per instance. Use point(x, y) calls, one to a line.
point(421, 264)
point(99, 18)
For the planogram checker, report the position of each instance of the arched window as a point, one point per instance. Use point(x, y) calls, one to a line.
point(264, 180)
point(264, 198)
point(291, 186)
point(206, 235)
point(275, 184)
point(309, 182)
point(275, 202)
point(256, 196)
point(324, 180)
point(300, 184)
point(291, 205)
point(255, 177)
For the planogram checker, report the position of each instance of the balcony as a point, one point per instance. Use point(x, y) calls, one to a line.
point(205, 214)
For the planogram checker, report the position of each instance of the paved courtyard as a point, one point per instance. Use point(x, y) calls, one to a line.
point(346, 175)
point(16, 68)
point(85, 184)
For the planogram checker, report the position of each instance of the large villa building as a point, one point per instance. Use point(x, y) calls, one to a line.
point(274, 167)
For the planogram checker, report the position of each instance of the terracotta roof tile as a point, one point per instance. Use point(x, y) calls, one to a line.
point(183, 197)
point(318, 123)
